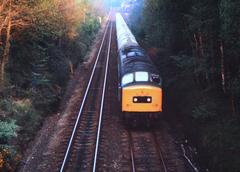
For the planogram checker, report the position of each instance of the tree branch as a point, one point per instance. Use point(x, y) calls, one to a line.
point(3, 5)
point(3, 24)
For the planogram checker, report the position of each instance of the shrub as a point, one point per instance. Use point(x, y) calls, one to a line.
point(8, 130)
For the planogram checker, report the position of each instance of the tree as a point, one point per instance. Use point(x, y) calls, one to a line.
point(198, 51)
point(13, 13)
point(230, 48)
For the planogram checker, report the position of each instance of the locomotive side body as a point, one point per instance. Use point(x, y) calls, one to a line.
point(140, 86)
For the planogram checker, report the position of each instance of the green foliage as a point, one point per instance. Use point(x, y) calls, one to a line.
point(230, 24)
point(202, 45)
point(236, 85)
point(8, 130)
point(205, 111)
point(88, 30)
point(24, 118)
point(161, 24)
point(184, 62)
point(221, 140)
point(43, 55)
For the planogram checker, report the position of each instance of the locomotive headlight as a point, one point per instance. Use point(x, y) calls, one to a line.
point(142, 99)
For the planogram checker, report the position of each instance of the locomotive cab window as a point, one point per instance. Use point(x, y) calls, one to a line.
point(141, 76)
point(128, 78)
point(131, 54)
point(139, 53)
point(123, 56)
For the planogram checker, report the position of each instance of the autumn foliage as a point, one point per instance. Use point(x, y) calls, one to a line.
point(41, 44)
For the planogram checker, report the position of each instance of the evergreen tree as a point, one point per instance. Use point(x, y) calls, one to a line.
point(200, 68)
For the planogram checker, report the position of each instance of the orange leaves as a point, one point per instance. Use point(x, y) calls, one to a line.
point(8, 160)
point(4, 163)
point(1, 161)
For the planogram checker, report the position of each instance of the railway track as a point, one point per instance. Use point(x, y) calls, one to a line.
point(149, 154)
point(117, 148)
point(82, 147)
point(145, 153)
point(123, 149)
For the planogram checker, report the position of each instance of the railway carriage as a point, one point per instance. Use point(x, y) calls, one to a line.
point(140, 85)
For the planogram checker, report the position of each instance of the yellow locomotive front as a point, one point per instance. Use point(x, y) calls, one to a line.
point(141, 93)
point(142, 98)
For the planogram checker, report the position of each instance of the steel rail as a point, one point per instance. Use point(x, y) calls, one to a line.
point(159, 152)
point(188, 159)
point(102, 103)
point(83, 102)
point(131, 152)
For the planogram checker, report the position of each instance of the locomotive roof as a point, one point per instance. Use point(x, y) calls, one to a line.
point(125, 38)
point(132, 57)
point(138, 66)
point(135, 59)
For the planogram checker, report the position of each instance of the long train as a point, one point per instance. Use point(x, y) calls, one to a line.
point(140, 85)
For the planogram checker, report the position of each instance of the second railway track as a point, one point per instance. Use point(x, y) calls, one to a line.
point(81, 149)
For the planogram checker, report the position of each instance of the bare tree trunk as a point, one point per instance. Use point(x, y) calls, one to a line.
point(196, 43)
point(5, 57)
point(3, 24)
point(71, 67)
point(3, 18)
point(201, 48)
point(197, 54)
point(1, 28)
point(233, 104)
point(202, 55)
point(222, 67)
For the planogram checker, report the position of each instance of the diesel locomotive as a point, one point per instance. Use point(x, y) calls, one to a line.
point(140, 85)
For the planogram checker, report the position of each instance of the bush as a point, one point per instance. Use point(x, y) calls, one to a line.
point(23, 120)
point(9, 159)
point(43, 54)
point(8, 130)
